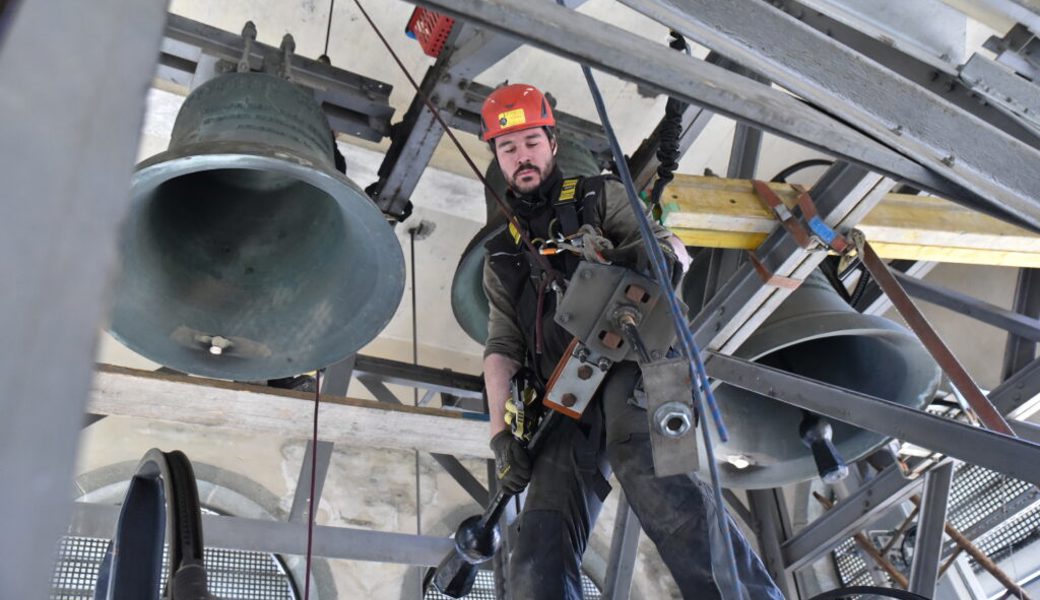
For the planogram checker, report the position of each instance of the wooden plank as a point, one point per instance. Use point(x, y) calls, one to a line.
point(726, 213)
point(287, 414)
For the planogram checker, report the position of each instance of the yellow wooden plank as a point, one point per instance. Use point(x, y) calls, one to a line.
point(726, 213)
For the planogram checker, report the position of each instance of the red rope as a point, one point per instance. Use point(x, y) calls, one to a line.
point(311, 508)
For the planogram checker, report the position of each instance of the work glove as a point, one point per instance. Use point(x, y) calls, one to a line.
point(512, 463)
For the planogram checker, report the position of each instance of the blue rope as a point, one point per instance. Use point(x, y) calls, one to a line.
point(689, 347)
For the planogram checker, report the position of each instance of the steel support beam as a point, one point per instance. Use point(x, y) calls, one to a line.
point(300, 509)
point(887, 489)
point(624, 54)
point(1015, 323)
point(68, 138)
point(1003, 88)
point(1020, 351)
point(623, 546)
point(458, 472)
point(427, 378)
point(336, 379)
point(937, 76)
point(736, 507)
point(843, 196)
point(354, 104)
point(280, 537)
point(944, 138)
point(1019, 396)
point(931, 522)
point(1016, 457)
point(875, 302)
point(769, 511)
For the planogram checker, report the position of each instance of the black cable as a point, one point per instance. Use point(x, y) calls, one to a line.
point(669, 133)
point(328, 28)
point(782, 176)
point(859, 590)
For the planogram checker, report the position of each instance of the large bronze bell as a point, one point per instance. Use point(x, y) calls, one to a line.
point(814, 333)
point(246, 255)
point(468, 301)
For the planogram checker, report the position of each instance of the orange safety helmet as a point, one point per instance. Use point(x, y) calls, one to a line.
point(512, 108)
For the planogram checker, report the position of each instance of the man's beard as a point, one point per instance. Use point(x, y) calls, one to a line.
point(514, 181)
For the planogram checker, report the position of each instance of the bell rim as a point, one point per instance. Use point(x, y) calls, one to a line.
point(198, 157)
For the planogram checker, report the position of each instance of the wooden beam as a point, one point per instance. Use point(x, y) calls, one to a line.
point(287, 414)
point(725, 213)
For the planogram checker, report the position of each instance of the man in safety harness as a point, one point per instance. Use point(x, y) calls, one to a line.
point(569, 221)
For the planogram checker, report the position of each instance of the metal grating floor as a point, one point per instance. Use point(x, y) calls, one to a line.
point(484, 589)
point(232, 574)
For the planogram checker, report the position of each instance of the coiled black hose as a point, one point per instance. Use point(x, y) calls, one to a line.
point(669, 132)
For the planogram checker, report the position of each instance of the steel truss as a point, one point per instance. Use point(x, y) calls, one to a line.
point(951, 161)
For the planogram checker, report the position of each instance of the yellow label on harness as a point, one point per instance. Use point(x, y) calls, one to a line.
point(511, 118)
point(567, 191)
point(515, 234)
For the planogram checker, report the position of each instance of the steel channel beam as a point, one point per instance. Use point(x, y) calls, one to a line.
point(938, 77)
point(769, 511)
point(280, 537)
point(843, 196)
point(1003, 88)
point(944, 138)
point(355, 104)
point(451, 465)
point(336, 379)
point(428, 378)
point(875, 302)
point(1013, 322)
point(1016, 457)
point(626, 55)
point(931, 523)
point(68, 138)
point(1019, 352)
point(1018, 397)
point(887, 489)
point(623, 546)
point(736, 507)
point(300, 508)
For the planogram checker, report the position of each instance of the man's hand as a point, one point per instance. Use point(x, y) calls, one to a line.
point(512, 463)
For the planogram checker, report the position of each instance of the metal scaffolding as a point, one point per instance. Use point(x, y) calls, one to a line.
point(982, 155)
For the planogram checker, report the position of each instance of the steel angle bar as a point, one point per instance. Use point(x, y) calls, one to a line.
point(948, 140)
point(1019, 352)
point(280, 537)
point(843, 196)
point(626, 55)
point(1015, 323)
point(428, 378)
point(68, 137)
point(1015, 457)
point(875, 302)
point(1003, 88)
point(852, 514)
point(931, 522)
point(938, 77)
point(451, 465)
point(769, 511)
point(1018, 397)
point(300, 506)
point(623, 546)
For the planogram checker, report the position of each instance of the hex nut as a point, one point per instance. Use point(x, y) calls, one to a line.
point(673, 419)
point(569, 399)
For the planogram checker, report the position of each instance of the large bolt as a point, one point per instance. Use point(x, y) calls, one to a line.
point(584, 372)
point(673, 419)
point(569, 399)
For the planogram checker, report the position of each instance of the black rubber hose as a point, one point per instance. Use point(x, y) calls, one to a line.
point(782, 176)
point(669, 133)
point(860, 590)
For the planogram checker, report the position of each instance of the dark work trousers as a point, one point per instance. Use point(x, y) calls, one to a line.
point(569, 484)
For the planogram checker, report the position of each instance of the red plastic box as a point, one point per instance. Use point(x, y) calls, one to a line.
point(431, 29)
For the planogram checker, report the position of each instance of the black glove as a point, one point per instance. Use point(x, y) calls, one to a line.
point(512, 463)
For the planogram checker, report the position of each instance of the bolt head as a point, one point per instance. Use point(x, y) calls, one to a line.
point(569, 399)
point(584, 372)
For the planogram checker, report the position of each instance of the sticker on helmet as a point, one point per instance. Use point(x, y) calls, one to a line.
point(511, 118)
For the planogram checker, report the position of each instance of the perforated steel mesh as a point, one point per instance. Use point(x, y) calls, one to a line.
point(231, 574)
point(977, 495)
point(484, 589)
